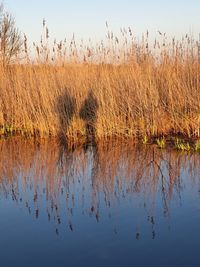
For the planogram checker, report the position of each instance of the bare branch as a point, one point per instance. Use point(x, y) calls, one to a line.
point(10, 38)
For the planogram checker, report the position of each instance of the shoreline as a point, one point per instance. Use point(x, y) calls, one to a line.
point(175, 142)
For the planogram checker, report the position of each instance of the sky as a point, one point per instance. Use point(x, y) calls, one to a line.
point(87, 18)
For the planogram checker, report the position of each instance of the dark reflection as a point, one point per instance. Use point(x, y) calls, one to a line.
point(93, 183)
point(66, 106)
point(88, 113)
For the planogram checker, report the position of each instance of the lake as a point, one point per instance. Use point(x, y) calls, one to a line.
point(108, 205)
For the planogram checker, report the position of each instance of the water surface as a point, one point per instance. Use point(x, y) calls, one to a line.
point(116, 205)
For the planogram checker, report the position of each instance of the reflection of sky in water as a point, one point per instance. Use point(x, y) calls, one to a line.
point(112, 206)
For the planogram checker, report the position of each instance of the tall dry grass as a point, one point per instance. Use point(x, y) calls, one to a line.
point(118, 88)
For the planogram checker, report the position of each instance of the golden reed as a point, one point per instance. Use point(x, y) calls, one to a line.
point(120, 88)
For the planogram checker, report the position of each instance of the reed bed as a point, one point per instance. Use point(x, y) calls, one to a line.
point(121, 88)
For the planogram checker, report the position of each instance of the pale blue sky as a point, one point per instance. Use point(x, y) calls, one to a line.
point(87, 18)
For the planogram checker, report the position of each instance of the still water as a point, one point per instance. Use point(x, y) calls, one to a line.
point(116, 205)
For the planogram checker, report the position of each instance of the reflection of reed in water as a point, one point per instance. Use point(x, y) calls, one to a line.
point(32, 173)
